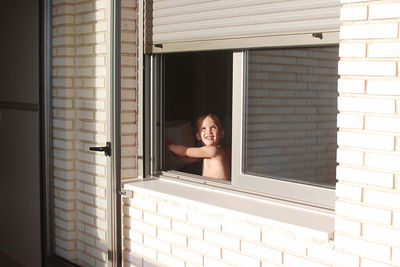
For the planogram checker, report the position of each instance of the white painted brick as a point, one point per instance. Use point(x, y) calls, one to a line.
point(64, 61)
point(171, 237)
point(369, 31)
point(84, 7)
point(187, 255)
point(283, 241)
point(384, 11)
point(144, 228)
point(370, 263)
point(383, 87)
point(187, 229)
point(134, 236)
point(367, 68)
point(97, 253)
point(387, 199)
point(221, 240)
point(68, 245)
point(96, 38)
point(363, 213)
point(360, 104)
point(94, 169)
point(205, 220)
point(133, 213)
point(396, 255)
point(381, 234)
point(365, 177)
point(144, 251)
point(86, 50)
point(389, 162)
point(352, 50)
point(291, 260)
point(157, 244)
point(145, 204)
point(384, 50)
point(85, 94)
point(62, 82)
point(66, 205)
point(347, 226)
point(154, 219)
point(66, 225)
point(94, 82)
point(63, 40)
point(204, 248)
point(95, 211)
point(261, 252)
point(352, 121)
point(170, 261)
point(66, 19)
point(85, 198)
point(86, 259)
point(61, 103)
point(350, 157)
point(362, 247)
point(353, 13)
point(95, 232)
point(382, 123)
point(88, 28)
point(239, 259)
point(209, 262)
point(372, 141)
point(348, 192)
point(66, 185)
point(94, 16)
point(245, 230)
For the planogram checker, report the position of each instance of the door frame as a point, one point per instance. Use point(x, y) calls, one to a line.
point(48, 257)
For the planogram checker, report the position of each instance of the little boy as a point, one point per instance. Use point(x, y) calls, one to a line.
point(216, 163)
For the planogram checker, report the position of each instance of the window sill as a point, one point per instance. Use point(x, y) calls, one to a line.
point(303, 221)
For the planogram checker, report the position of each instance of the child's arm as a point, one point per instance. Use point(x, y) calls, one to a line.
point(193, 152)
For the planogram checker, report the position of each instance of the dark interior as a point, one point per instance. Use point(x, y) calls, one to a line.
point(196, 83)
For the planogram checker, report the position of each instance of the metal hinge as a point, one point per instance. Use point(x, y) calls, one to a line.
point(126, 193)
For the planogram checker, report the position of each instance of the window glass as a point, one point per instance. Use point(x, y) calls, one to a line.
point(290, 114)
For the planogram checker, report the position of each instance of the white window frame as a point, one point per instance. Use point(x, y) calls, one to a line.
point(271, 187)
point(281, 190)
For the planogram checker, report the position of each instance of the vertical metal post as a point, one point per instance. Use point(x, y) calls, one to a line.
point(114, 185)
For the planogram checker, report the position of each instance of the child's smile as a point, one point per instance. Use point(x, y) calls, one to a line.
point(209, 133)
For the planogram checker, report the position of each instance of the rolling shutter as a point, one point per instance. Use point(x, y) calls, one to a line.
point(178, 25)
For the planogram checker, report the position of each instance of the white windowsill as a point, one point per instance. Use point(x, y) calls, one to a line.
point(306, 222)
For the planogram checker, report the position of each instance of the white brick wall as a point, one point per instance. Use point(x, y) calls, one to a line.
point(79, 100)
point(225, 240)
point(367, 222)
point(366, 190)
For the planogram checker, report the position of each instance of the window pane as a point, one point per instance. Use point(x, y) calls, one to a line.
point(290, 114)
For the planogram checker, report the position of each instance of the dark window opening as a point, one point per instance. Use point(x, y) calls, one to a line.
point(195, 83)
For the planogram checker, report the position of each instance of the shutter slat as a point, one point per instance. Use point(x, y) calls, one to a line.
point(180, 21)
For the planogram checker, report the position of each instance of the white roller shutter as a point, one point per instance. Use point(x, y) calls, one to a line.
point(178, 25)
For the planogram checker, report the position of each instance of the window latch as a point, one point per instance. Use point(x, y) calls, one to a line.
point(106, 149)
point(126, 193)
point(318, 35)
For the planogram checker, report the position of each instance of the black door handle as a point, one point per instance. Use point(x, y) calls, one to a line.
point(106, 149)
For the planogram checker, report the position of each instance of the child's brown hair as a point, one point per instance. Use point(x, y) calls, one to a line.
point(213, 116)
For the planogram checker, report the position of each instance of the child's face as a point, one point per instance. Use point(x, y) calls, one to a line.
point(209, 133)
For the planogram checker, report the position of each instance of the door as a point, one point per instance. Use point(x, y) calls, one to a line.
point(82, 186)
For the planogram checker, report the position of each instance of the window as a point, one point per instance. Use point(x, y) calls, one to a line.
point(279, 109)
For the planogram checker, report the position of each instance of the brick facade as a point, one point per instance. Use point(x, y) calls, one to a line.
point(161, 230)
point(79, 104)
point(367, 212)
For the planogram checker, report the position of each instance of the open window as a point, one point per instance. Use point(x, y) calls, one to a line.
point(269, 70)
point(279, 108)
